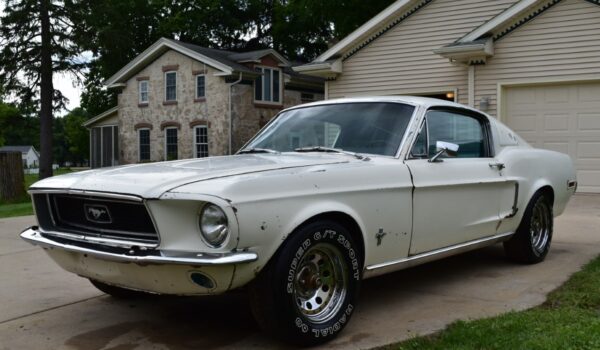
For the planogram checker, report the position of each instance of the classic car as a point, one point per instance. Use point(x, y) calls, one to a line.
point(324, 196)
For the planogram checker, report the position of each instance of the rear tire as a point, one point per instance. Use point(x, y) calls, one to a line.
point(531, 242)
point(119, 292)
point(308, 291)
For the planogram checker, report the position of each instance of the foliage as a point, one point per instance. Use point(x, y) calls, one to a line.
point(17, 129)
point(568, 320)
point(76, 136)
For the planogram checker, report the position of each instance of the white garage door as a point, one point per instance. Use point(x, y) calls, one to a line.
point(564, 118)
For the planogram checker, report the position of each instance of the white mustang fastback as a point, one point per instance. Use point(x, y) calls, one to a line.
point(326, 195)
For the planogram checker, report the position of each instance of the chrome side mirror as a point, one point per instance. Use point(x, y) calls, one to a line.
point(450, 149)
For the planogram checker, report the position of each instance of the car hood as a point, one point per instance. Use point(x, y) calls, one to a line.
point(153, 179)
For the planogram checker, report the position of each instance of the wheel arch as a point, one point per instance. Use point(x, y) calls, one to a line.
point(343, 219)
point(547, 189)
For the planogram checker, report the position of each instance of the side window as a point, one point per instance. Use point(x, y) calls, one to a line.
point(464, 130)
point(419, 149)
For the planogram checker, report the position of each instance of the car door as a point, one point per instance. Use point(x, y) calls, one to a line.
point(455, 200)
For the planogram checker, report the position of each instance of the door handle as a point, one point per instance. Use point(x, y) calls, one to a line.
point(498, 166)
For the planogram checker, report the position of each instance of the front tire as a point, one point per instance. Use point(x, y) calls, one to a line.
point(531, 242)
point(308, 291)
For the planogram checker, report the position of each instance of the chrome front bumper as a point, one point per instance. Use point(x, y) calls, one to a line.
point(33, 235)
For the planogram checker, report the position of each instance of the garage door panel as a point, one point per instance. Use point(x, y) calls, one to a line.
point(562, 147)
point(588, 93)
point(523, 123)
point(563, 118)
point(556, 95)
point(589, 180)
point(588, 122)
point(588, 151)
point(557, 122)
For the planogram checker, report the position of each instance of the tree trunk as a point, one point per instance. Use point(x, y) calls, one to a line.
point(11, 176)
point(46, 92)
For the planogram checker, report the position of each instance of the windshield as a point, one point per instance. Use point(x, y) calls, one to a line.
point(370, 127)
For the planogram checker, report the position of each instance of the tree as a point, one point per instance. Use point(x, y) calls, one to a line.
point(36, 37)
point(77, 137)
point(17, 129)
point(114, 31)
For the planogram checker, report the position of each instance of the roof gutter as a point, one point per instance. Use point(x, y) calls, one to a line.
point(231, 111)
point(328, 69)
point(468, 53)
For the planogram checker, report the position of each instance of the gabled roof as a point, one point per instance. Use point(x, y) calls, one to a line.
point(474, 47)
point(255, 56)
point(398, 10)
point(22, 149)
point(100, 116)
point(227, 62)
point(504, 18)
point(471, 48)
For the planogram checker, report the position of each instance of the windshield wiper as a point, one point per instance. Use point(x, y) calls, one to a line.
point(257, 150)
point(331, 150)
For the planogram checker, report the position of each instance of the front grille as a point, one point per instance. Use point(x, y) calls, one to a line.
point(98, 217)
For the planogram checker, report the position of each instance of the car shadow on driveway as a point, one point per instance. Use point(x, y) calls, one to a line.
point(226, 321)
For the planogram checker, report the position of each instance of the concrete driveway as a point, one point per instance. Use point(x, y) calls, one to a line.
point(42, 307)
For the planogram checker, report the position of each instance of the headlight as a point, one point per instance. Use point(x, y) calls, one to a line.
point(213, 225)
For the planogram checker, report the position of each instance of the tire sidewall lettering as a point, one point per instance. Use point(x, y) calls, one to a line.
point(339, 240)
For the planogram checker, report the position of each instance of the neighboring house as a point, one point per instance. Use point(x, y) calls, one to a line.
point(178, 100)
point(534, 64)
point(31, 157)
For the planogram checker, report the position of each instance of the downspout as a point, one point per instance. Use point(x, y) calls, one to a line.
point(471, 85)
point(231, 111)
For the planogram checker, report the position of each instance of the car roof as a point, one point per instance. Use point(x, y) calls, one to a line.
point(413, 100)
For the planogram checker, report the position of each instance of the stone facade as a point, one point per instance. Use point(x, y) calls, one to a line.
point(249, 118)
point(213, 110)
point(185, 113)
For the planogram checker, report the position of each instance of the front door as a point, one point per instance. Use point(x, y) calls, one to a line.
point(455, 200)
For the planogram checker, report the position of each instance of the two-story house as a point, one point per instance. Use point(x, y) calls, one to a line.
point(178, 100)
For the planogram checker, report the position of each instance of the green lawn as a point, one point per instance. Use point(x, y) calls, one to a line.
point(570, 319)
point(22, 206)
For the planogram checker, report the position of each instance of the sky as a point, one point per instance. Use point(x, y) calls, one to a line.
point(64, 83)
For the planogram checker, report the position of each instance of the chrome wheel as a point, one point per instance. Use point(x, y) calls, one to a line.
point(541, 224)
point(321, 282)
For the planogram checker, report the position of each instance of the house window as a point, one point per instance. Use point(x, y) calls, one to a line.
point(143, 89)
point(104, 146)
point(267, 87)
point(200, 86)
point(201, 141)
point(171, 152)
point(144, 142)
point(171, 86)
point(306, 97)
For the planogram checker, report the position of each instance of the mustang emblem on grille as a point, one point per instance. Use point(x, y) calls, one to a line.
point(97, 213)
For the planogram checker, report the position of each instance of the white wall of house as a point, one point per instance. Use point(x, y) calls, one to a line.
point(31, 159)
point(402, 61)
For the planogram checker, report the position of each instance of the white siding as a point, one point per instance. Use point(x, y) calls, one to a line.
point(402, 61)
point(562, 44)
